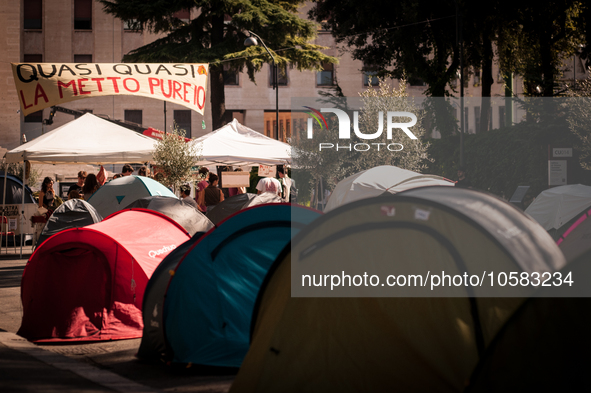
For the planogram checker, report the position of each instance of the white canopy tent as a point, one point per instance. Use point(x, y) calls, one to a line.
point(378, 180)
point(556, 206)
point(86, 140)
point(89, 140)
point(236, 144)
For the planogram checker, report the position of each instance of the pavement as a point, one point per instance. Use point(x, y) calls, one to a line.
point(109, 366)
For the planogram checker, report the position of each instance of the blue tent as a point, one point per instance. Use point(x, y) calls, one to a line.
point(14, 190)
point(211, 296)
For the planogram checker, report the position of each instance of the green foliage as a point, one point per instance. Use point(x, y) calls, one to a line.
point(503, 159)
point(175, 158)
point(17, 170)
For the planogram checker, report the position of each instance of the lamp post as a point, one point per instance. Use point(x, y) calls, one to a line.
point(250, 41)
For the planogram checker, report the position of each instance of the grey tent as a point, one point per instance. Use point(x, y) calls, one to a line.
point(236, 203)
point(184, 214)
point(74, 213)
point(575, 240)
point(545, 346)
point(14, 190)
point(378, 338)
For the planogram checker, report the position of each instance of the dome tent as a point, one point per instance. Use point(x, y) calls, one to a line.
point(118, 193)
point(74, 213)
point(238, 202)
point(153, 346)
point(14, 190)
point(575, 240)
point(180, 211)
point(210, 297)
point(550, 334)
point(378, 180)
point(406, 343)
point(88, 283)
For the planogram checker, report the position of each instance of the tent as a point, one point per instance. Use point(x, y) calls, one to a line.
point(575, 240)
point(545, 346)
point(87, 139)
point(87, 284)
point(180, 211)
point(118, 193)
point(391, 338)
point(153, 344)
point(74, 213)
point(556, 206)
point(238, 202)
point(14, 190)
point(236, 144)
point(375, 181)
point(209, 301)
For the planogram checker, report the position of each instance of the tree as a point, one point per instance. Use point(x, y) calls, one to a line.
point(175, 158)
point(217, 35)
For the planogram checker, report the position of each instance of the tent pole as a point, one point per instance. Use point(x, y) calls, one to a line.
point(4, 207)
point(23, 206)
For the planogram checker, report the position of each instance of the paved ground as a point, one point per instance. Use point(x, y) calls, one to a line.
point(96, 367)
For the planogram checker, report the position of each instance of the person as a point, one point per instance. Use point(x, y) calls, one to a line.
point(287, 185)
point(463, 181)
point(90, 186)
point(269, 184)
point(74, 194)
point(79, 184)
point(47, 194)
point(186, 195)
point(236, 190)
point(127, 170)
point(200, 189)
point(212, 194)
point(144, 171)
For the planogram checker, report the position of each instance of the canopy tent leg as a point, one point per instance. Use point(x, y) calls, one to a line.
point(22, 206)
point(4, 207)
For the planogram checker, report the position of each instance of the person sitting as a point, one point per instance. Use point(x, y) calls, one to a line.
point(74, 194)
point(213, 195)
point(90, 186)
point(186, 195)
point(47, 194)
point(117, 176)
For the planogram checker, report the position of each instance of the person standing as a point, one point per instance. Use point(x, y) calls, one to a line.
point(47, 194)
point(212, 194)
point(286, 184)
point(79, 184)
point(200, 189)
point(127, 170)
point(463, 181)
point(90, 186)
point(269, 184)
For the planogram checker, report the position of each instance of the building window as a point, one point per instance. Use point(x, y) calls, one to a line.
point(83, 59)
point(282, 75)
point(134, 116)
point(182, 118)
point(230, 76)
point(82, 14)
point(33, 14)
point(370, 75)
point(476, 77)
point(326, 76)
point(454, 82)
point(131, 25)
point(35, 117)
point(476, 118)
point(33, 58)
point(501, 116)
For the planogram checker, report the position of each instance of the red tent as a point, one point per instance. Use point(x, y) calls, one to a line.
point(88, 283)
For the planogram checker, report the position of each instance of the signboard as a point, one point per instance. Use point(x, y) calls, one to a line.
point(559, 152)
point(556, 172)
point(267, 170)
point(519, 194)
point(12, 224)
point(235, 179)
point(41, 85)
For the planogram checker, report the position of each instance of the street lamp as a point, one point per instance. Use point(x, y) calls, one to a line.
point(250, 41)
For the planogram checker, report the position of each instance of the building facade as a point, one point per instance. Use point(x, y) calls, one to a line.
point(79, 31)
